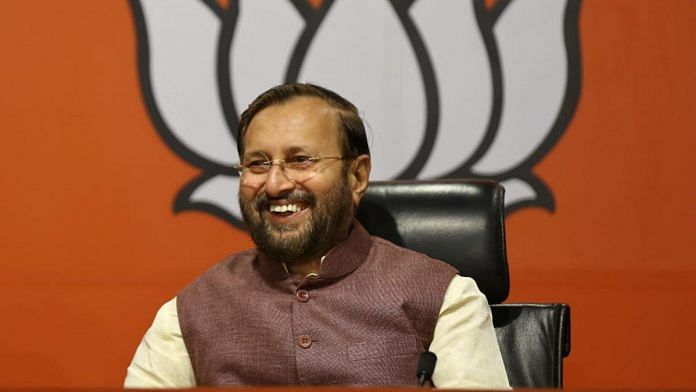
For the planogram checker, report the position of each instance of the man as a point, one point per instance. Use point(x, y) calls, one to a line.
point(319, 301)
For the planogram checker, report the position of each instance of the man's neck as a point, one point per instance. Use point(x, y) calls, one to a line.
point(304, 268)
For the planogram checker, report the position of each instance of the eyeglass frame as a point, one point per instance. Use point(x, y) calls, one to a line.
point(282, 163)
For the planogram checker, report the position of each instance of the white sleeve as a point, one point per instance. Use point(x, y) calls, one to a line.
point(161, 360)
point(468, 356)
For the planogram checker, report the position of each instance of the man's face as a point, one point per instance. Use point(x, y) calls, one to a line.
point(320, 206)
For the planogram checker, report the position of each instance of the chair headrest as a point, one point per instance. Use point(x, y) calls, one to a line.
point(457, 221)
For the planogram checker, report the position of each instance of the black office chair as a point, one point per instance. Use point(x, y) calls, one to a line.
point(462, 222)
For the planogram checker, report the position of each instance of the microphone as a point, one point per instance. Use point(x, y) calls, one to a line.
point(426, 366)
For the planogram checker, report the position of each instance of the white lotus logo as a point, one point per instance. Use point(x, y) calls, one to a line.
point(448, 88)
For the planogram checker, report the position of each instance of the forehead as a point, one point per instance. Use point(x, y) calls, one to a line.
point(305, 123)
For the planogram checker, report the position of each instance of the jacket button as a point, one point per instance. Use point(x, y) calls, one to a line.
point(302, 295)
point(304, 341)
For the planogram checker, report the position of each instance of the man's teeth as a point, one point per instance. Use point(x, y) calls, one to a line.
point(285, 208)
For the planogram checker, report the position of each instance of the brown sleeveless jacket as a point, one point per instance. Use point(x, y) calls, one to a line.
point(363, 321)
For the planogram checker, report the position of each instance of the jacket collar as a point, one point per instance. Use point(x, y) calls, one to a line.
point(343, 259)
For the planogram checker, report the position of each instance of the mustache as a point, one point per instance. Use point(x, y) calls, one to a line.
point(262, 201)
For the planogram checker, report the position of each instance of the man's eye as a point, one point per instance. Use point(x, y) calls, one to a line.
point(257, 165)
point(300, 162)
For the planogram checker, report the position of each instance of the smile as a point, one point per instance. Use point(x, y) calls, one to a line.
point(286, 210)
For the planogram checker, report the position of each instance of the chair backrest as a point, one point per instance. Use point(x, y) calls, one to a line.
point(457, 221)
point(534, 339)
point(462, 223)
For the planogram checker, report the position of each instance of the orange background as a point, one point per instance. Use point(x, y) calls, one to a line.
point(89, 246)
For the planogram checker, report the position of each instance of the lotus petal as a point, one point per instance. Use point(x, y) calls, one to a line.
point(263, 41)
point(517, 191)
point(535, 68)
point(464, 80)
point(183, 39)
point(219, 192)
point(362, 51)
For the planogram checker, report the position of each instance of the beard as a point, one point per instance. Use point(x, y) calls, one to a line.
point(314, 237)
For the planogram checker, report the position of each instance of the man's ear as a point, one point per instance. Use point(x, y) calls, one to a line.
point(358, 177)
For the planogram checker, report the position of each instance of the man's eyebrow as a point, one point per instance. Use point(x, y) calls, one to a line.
point(256, 153)
point(296, 149)
point(288, 151)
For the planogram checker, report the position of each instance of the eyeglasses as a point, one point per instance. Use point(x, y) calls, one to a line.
point(297, 168)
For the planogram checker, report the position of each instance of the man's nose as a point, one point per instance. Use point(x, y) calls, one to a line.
point(278, 183)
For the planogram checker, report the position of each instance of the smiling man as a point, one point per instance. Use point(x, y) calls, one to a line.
point(319, 301)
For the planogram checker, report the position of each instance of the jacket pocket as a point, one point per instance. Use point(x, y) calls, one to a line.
point(401, 345)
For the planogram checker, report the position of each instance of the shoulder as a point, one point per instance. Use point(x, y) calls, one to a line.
point(234, 263)
point(391, 255)
point(239, 260)
point(229, 271)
